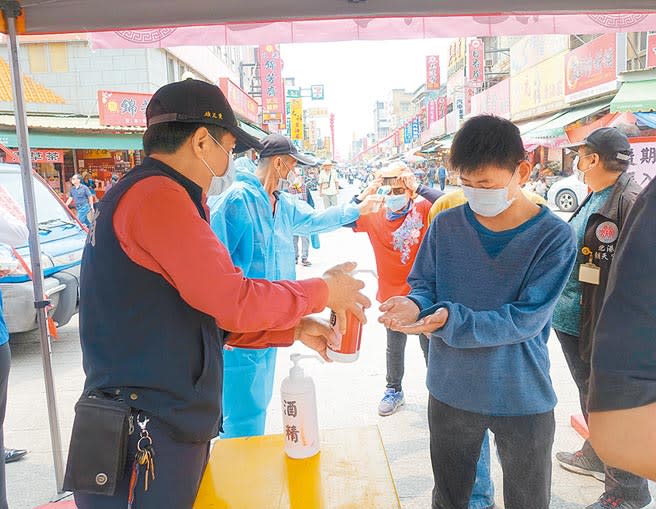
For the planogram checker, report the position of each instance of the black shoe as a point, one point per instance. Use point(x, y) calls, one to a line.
point(12, 455)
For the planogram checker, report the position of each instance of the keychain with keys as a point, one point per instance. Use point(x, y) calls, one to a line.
point(144, 459)
point(589, 272)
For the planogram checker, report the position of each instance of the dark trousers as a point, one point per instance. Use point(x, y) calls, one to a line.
point(524, 445)
point(5, 363)
point(178, 471)
point(618, 482)
point(396, 357)
point(442, 184)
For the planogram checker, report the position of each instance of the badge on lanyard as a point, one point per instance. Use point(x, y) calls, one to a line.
point(589, 272)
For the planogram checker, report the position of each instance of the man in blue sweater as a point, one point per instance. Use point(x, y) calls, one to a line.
point(484, 285)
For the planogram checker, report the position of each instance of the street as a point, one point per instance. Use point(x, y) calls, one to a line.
point(348, 395)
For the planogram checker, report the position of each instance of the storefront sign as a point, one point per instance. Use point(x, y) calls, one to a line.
point(433, 72)
point(591, 69)
point(539, 89)
point(643, 161)
point(493, 101)
point(459, 106)
point(431, 113)
point(651, 50)
point(316, 112)
point(407, 133)
point(122, 108)
point(442, 107)
point(476, 62)
point(317, 92)
point(296, 113)
point(45, 156)
point(456, 56)
point(273, 93)
point(242, 103)
point(397, 137)
point(415, 129)
point(533, 49)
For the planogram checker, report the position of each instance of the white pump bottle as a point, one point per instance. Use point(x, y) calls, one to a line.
point(299, 411)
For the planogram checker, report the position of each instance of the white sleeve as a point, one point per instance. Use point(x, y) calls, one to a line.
point(12, 231)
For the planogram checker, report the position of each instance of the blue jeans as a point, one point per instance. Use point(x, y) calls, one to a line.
point(482, 496)
point(83, 216)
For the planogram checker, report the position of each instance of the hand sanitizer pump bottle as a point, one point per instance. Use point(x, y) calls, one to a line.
point(299, 411)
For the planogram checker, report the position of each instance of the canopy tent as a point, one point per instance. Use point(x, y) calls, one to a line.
point(265, 22)
point(635, 96)
point(552, 134)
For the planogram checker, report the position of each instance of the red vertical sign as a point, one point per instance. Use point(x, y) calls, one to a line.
point(273, 92)
point(651, 50)
point(476, 61)
point(433, 72)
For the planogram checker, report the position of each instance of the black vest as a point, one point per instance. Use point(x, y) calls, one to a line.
point(140, 339)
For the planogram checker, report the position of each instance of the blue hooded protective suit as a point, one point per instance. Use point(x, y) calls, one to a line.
point(261, 245)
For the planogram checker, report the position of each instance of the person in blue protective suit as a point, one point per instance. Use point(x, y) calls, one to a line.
point(256, 219)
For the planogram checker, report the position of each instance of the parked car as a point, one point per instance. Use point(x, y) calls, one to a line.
point(567, 194)
point(62, 240)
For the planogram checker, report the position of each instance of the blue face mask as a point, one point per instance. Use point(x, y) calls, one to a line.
point(396, 202)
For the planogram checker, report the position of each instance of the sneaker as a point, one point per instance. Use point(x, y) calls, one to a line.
point(306, 263)
point(579, 463)
point(610, 501)
point(391, 402)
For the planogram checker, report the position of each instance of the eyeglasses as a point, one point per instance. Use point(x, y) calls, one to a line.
point(397, 190)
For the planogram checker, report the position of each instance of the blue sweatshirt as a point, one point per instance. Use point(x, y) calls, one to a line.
point(491, 356)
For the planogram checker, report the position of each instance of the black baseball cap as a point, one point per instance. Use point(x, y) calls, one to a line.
point(607, 141)
point(279, 145)
point(195, 101)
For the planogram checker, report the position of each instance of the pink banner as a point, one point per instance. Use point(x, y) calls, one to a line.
point(122, 108)
point(591, 69)
point(476, 62)
point(431, 113)
point(442, 106)
point(493, 101)
point(376, 29)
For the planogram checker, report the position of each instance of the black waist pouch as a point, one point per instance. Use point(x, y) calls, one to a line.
point(99, 445)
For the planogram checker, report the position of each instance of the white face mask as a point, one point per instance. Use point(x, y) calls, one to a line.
point(488, 202)
point(284, 183)
point(219, 184)
point(396, 202)
point(580, 174)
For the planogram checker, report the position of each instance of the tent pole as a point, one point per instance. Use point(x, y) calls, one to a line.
point(11, 12)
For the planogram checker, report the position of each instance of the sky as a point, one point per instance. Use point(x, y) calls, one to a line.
point(357, 74)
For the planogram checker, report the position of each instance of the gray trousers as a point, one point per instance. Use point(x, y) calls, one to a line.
point(5, 363)
point(329, 200)
point(396, 357)
point(305, 246)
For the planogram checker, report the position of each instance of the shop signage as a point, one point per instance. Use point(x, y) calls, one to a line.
point(442, 107)
point(407, 133)
point(533, 49)
point(242, 103)
point(433, 72)
point(476, 62)
point(296, 113)
point(415, 128)
point(273, 92)
point(493, 101)
point(651, 50)
point(38, 156)
point(539, 89)
point(459, 106)
point(317, 92)
point(456, 56)
point(125, 109)
point(397, 137)
point(431, 112)
point(643, 161)
point(316, 112)
point(591, 69)
point(293, 93)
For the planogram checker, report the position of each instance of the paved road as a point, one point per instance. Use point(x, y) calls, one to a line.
point(348, 396)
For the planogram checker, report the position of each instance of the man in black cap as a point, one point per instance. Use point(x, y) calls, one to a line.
point(155, 284)
point(256, 221)
point(602, 162)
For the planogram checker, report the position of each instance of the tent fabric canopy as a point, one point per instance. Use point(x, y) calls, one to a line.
point(555, 128)
point(60, 16)
point(648, 119)
point(635, 96)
